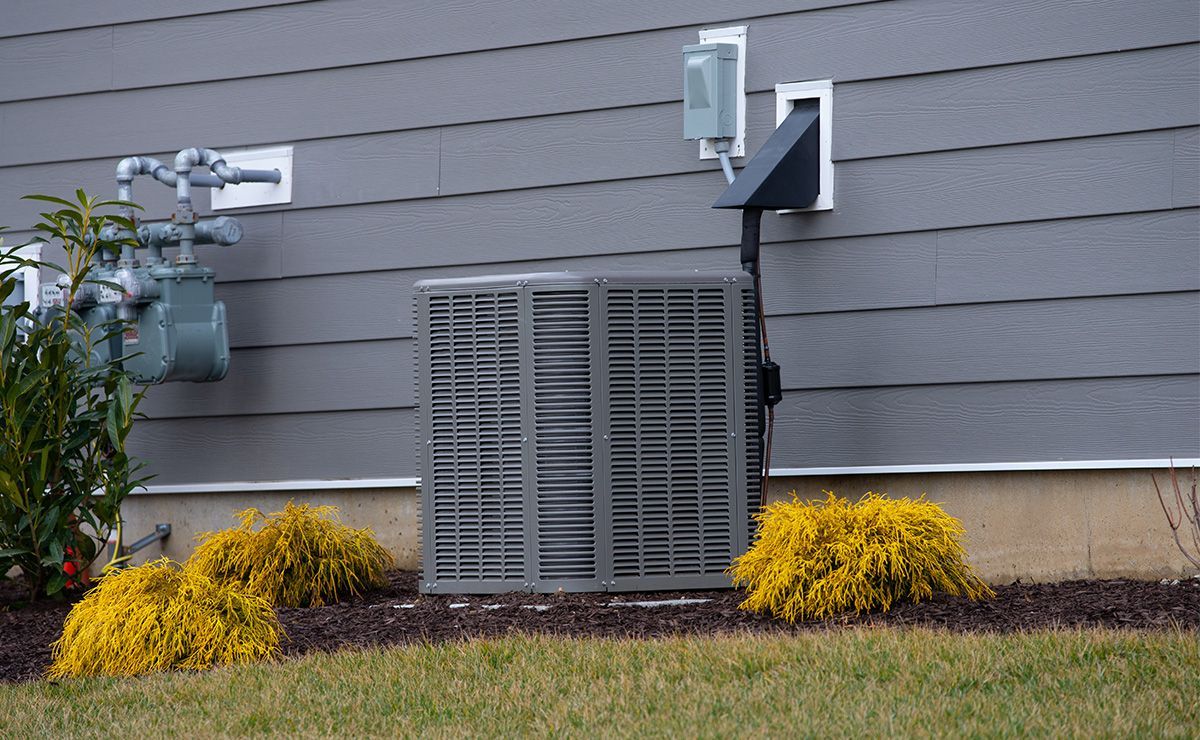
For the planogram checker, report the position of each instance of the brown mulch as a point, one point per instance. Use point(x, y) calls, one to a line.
point(380, 619)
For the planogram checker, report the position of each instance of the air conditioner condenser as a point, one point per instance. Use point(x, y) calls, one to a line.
point(589, 432)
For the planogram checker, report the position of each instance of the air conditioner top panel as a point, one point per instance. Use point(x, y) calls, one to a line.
point(580, 278)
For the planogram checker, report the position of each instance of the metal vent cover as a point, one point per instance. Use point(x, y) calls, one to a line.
point(585, 432)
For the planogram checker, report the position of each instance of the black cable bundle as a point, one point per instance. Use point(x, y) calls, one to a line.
point(770, 386)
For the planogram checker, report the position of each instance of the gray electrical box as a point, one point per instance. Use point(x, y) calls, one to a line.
point(710, 91)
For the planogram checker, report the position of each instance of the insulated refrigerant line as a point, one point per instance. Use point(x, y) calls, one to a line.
point(768, 384)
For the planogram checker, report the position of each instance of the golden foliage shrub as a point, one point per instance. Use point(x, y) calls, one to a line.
point(813, 560)
point(301, 556)
point(159, 617)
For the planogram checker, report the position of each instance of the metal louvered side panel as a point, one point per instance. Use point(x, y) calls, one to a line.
point(564, 444)
point(670, 453)
point(752, 453)
point(472, 486)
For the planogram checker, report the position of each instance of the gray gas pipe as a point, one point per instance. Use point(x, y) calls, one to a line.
point(185, 216)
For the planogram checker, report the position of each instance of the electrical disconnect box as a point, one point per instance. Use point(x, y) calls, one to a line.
point(710, 91)
point(173, 328)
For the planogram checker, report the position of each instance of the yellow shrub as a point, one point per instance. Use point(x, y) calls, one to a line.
point(301, 556)
point(821, 559)
point(158, 617)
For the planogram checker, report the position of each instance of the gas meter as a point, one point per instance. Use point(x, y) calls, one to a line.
point(174, 328)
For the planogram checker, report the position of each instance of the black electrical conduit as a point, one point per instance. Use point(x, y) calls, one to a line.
point(767, 378)
point(769, 385)
point(785, 173)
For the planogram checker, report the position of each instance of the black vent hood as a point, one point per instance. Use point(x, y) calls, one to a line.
point(786, 171)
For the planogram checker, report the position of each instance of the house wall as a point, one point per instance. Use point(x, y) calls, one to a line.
point(1027, 525)
point(1010, 272)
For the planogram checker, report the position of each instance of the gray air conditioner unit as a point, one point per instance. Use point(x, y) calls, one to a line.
point(586, 432)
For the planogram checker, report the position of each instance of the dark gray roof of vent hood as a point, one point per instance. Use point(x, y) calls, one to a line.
point(785, 173)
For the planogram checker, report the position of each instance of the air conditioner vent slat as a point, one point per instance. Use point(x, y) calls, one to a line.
point(563, 382)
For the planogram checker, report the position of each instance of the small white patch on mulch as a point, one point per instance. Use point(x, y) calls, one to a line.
point(653, 604)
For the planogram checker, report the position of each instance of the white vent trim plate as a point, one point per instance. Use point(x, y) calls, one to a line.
point(786, 95)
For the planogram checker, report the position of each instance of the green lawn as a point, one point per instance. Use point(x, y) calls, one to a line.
point(837, 683)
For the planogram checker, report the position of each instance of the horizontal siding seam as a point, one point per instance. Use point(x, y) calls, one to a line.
point(13, 237)
point(275, 414)
point(568, 39)
point(992, 381)
point(634, 106)
point(401, 60)
point(787, 390)
point(715, 170)
point(979, 147)
point(997, 65)
point(114, 24)
point(1176, 163)
point(1049, 300)
point(733, 246)
point(937, 243)
point(749, 90)
point(407, 337)
point(770, 241)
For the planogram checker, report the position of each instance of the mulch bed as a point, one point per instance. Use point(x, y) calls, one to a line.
point(380, 618)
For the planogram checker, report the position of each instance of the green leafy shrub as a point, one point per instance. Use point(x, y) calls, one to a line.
point(65, 413)
point(301, 556)
point(159, 617)
point(814, 560)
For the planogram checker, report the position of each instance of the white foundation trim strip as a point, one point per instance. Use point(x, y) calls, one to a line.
point(1186, 462)
point(359, 483)
point(281, 485)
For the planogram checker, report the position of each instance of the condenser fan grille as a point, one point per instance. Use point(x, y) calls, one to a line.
point(670, 448)
point(474, 514)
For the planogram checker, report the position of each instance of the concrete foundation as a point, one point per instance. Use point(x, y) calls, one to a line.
point(1032, 526)
point(390, 513)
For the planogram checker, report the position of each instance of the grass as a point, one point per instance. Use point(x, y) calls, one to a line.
point(868, 681)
